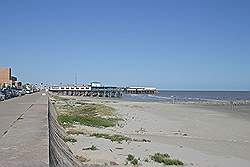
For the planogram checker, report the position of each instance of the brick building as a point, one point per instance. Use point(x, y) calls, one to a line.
point(5, 76)
point(7, 79)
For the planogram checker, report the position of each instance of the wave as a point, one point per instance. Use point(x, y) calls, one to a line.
point(201, 96)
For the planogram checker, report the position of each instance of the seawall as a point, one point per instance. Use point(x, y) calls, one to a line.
point(59, 153)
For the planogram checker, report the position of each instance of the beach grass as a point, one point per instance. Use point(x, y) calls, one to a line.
point(165, 159)
point(69, 139)
point(86, 120)
point(134, 161)
point(117, 138)
point(90, 109)
point(93, 148)
point(88, 114)
point(131, 158)
point(75, 132)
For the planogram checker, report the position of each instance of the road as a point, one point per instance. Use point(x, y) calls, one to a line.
point(24, 133)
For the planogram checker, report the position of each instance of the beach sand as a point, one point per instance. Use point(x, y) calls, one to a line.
point(195, 134)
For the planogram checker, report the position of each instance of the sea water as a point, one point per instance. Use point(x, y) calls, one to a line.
point(166, 95)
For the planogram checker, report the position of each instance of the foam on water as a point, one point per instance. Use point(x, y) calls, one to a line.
point(191, 96)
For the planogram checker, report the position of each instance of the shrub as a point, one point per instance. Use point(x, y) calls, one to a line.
point(130, 157)
point(70, 139)
point(93, 148)
point(134, 161)
point(165, 159)
point(117, 138)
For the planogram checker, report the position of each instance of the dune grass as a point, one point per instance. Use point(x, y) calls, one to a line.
point(117, 138)
point(131, 158)
point(90, 109)
point(86, 120)
point(69, 139)
point(88, 114)
point(92, 148)
point(165, 159)
point(75, 132)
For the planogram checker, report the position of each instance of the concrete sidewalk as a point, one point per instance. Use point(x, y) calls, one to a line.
point(24, 131)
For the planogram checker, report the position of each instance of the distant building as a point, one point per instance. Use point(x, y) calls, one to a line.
point(6, 79)
point(5, 76)
point(140, 90)
point(96, 84)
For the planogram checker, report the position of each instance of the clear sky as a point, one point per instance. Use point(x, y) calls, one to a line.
point(168, 44)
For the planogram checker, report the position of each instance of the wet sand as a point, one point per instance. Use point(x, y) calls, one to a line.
point(197, 135)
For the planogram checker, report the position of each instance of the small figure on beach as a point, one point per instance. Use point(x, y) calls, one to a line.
point(173, 99)
point(233, 105)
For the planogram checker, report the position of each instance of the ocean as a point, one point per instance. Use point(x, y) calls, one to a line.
point(192, 96)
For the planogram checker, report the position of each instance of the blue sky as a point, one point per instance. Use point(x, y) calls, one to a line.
point(169, 44)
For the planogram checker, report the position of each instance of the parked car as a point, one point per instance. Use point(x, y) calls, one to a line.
point(27, 91)
point(14, 93)
point(2, 96)
point(7, 93)
point(21, 92)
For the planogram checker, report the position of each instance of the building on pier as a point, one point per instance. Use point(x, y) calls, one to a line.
point(140, 90)
point(87, 90)
point(97, 89)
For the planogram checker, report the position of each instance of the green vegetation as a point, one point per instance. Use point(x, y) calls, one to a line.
point(88, 114)
point(142, 140)
point(93, 148)
point(165, 159)
point(90, 109)
point(131, 158)
point(86, 120)
point(69, 139)
point(134, 161)
point(118, 138)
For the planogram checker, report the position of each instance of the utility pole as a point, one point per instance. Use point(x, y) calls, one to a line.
point(76, 79)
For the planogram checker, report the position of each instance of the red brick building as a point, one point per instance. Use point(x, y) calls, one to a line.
point(5, 76)
point(7, 79)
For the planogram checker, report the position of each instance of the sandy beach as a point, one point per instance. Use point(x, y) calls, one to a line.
point(195, 134)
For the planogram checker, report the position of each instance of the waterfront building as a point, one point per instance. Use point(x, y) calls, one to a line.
point(6, 79)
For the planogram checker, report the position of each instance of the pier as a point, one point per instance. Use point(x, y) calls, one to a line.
point(102, 91)
point(96, 89)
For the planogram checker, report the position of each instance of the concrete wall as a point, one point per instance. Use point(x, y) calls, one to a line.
point(59, 152)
